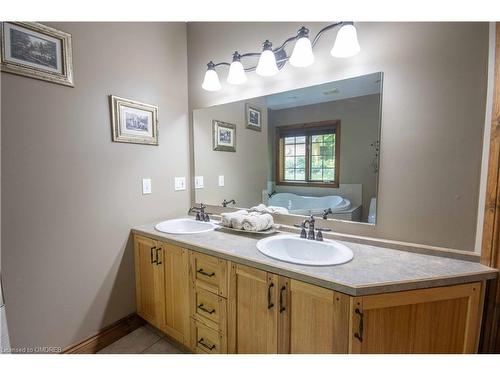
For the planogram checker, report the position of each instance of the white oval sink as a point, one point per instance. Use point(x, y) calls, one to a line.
point(185, 226)
point(293, 249)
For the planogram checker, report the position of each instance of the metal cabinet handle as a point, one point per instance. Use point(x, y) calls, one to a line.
point(359, 334)
point(282, 306)
point(209, 347)
point(200, 306)
point(205, 273)
point(270, 303)
point(151, 253)
point(158, 261)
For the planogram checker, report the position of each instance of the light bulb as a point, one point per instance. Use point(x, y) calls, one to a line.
point(211, 81)
point(236, 74)
point(267, 62)
point(346, 42)
point(302, 54)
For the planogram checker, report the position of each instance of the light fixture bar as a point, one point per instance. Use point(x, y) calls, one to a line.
point(280, 53)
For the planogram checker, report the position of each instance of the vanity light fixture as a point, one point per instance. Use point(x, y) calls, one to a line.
point(271, 60)
point(302, 55)
point(267, 66)
point(346, 42)
point(211, 81)
point(237, 73)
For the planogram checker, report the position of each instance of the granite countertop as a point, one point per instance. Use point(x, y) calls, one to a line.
point(373, 270)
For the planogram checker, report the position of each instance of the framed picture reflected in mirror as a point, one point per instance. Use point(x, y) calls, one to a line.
point(224, 136)
point(253, 117)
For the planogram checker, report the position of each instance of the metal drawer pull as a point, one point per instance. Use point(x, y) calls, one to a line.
point(205, 273)
point(359, 334)
point(270, 303)
point(153, 248)
point(282, 306)
point(209, 347)
point(158, 262)
point(200, 306)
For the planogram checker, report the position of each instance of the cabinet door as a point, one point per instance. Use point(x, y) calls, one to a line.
point(436, 320)
point(150, 283)
point(312, 319)
point(253, 311)
point(176, 268)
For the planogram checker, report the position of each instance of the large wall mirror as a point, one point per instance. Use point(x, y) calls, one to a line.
point(310, 151)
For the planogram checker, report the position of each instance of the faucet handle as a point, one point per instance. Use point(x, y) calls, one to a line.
point(319, 235)
point(303, 233)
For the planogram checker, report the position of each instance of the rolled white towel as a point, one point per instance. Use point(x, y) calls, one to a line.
point(227, 217)
point(262, 208)
point(257, 223)
point(277, 210)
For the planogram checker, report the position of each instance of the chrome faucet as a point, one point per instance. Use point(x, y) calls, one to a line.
point(310, 234)
point(225, 202)
point(201, 215)
point(326, 212)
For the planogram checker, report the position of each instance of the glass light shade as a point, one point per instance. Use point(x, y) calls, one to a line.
point(211, 81)
point(236, 74)
point(267, 64)
point(346, 42)
point(302, 54)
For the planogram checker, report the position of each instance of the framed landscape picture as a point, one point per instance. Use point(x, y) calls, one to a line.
point(133, 121)
point(34, 50)
point(253, 117)
point(224, 136)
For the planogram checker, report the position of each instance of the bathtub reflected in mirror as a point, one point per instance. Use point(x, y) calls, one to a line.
point(310, 151)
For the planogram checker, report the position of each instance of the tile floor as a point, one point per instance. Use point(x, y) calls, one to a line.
point(144, 340)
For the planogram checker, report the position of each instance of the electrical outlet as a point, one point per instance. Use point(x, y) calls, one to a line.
point(198, 182)
point(146, 186)
point(221, 180)
point(179, 183)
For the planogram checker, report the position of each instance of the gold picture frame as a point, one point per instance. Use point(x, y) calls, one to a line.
point(37, 51)
point(133, 121)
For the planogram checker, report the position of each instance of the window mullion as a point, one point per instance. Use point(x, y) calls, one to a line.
point(308, 157)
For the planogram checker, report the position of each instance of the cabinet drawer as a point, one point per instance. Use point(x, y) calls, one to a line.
point(209, 308)
point(207, 340)
point(209, 273)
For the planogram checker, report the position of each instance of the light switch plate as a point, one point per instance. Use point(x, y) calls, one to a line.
point(198, 182)
point(221, 180)
point(179, 183)
point(146, 186)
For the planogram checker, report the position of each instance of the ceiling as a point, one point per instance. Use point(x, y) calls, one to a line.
point(348, 88)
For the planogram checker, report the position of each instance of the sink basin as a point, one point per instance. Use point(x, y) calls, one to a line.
point(185, 226)
point(293, 249)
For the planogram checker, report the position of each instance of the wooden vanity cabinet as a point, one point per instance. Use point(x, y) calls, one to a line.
point(274, 314)
point(252, 311)
point(149, 281)
point(214, 306)
point(437, 320)
point(176, 266)
point(162, 286)
point(313, 319)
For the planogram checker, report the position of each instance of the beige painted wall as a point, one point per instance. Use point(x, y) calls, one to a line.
point(70, 195)
point(245, 171)
point(359, 127)
point(432, 113)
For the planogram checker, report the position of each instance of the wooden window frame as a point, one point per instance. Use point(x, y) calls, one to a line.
point(490, 251)
point(307, 129)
